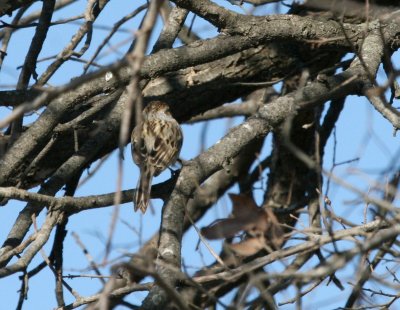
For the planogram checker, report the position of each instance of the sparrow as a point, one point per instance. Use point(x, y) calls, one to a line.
point(156, 144)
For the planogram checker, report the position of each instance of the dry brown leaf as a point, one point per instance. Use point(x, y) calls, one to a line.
point(222, 228)
point(260, 224)
point(274, 234)
point(248, 247)
point(243, 206)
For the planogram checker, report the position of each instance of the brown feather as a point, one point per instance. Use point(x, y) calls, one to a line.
point(156, 144)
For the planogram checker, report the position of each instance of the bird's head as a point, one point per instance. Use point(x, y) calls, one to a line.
point(156, 107)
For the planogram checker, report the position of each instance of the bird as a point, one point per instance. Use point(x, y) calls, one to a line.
point(156, 143)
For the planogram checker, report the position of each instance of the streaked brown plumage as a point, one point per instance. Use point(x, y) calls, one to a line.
point(156, 144)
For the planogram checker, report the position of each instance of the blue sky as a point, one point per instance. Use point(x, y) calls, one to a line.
point(361, 132)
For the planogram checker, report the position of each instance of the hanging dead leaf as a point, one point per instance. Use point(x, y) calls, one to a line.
point(274, 233)
point(260, 224)
point(222, 228)
point(243, 206)
point(248, 247)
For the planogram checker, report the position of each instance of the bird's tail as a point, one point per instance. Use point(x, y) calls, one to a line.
point(142, 193)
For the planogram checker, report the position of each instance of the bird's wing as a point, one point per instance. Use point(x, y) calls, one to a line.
point(163, 144)
point(138, 148)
